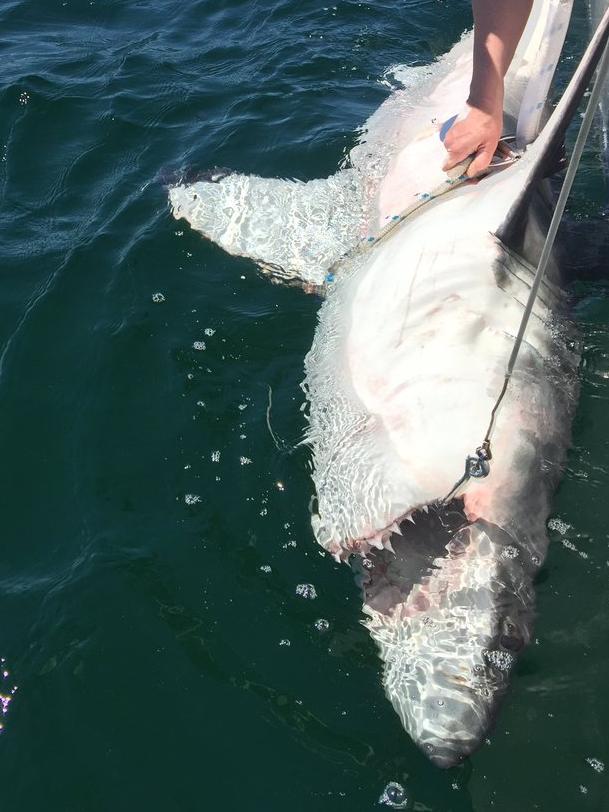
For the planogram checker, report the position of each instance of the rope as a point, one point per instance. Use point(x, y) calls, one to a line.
point(457, 176)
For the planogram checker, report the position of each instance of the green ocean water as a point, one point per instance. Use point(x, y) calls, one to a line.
point(155, 654)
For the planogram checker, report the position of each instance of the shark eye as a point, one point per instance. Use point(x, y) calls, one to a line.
point(511, 639)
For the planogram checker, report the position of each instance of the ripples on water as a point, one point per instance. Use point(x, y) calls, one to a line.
point(155, 532)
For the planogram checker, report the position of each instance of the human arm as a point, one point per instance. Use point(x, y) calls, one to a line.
point(498, 26)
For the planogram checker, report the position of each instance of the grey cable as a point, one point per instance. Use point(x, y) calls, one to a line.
point(483, 454)
point(561, 203)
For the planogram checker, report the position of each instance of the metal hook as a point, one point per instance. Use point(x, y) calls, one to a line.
point(477, 465)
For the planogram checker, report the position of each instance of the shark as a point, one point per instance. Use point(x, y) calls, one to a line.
point(424, 279)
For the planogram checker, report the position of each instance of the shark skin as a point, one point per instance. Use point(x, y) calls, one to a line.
point(407, 363)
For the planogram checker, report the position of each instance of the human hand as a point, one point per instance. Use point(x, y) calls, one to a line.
point(476, 133)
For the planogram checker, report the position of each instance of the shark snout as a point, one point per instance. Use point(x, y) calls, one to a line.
point(448, 719)
point(446, 683)
point(444, 745)
point(449, 628)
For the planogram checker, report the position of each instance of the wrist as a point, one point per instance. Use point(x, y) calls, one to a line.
point(486, 93)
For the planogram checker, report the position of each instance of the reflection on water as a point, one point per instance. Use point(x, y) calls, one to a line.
point(7, 692)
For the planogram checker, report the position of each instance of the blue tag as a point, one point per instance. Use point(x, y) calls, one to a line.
point(446, 127)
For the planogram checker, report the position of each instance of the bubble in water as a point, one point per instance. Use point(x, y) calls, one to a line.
point(198, 345)
point(192, 499)
point(265, 568)
point(158, 297)
point(502, 660)
point(245, 461)
point(596, 764)
point(307, 591)
point(24, 98)
point(215, 456)
point(394, 795)
point(510, 552)
point(209, 331)
point(284, 642)
point(558, 525)
point(322, 625)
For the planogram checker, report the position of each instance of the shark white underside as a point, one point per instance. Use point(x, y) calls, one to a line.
point(406, 366)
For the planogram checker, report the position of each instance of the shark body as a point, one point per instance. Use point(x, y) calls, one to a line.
point(407, 363)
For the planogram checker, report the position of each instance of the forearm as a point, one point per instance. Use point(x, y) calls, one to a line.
point(498, 26)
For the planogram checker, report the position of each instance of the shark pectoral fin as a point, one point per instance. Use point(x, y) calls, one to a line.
point(537, 58)
point(546, 149)
point(293, 230)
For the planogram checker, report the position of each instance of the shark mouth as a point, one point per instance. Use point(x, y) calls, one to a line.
point(381, 540)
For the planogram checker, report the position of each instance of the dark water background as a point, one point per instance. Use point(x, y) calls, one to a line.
point(141, 632)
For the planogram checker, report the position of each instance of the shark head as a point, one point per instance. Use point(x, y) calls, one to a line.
point(450, 612)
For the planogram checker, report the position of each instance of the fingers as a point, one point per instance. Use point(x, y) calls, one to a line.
point(481, 161)
point(474, 135)
point(457, 147)
point(482, 158)
point(455, 157)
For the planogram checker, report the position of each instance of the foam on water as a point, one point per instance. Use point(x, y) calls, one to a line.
point(394, 796)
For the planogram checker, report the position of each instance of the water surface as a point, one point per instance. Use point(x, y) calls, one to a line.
point(153, 530)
